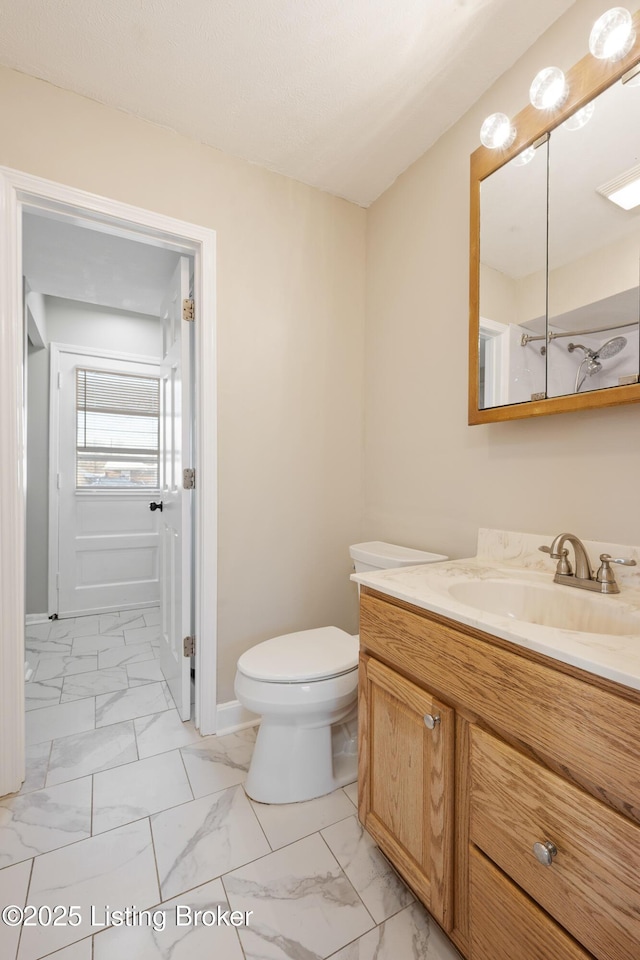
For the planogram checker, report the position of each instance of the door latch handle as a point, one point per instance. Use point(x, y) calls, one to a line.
point(156, 506)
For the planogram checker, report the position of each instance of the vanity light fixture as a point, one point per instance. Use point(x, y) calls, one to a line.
point(549, 89)
point(623, 190)
point(580, 118)
point(612, 35)
point(497, 131)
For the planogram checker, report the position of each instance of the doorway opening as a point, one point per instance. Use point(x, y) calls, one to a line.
point(102, 289)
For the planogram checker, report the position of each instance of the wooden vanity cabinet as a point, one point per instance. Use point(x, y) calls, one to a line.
point(406, 783)
point(527, 751)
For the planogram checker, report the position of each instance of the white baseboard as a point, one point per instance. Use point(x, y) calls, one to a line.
point(37, 618)
point(232, 716)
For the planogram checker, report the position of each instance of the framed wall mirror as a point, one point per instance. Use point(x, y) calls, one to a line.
point(554, 261)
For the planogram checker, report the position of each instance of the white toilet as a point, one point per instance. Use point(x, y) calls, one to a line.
point(305, 686)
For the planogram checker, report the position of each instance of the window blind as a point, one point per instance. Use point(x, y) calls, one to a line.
point(118, 420)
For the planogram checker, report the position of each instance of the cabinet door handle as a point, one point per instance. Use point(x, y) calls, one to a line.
point(545, 852)
point(430, 720)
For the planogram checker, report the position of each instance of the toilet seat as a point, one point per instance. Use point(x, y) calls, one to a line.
point(303, 656)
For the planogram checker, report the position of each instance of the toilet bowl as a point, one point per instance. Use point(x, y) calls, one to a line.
point(305, 687)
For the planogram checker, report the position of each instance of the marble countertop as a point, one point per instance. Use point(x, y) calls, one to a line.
point(504, 555)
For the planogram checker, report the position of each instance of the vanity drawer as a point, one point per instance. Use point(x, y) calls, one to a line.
point(592, 886)
point(506, 924)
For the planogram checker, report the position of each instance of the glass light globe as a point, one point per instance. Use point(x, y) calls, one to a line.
point(549, 89)
point(497, 131)
point(580, 118)
point(612, 35)
point(524, 158)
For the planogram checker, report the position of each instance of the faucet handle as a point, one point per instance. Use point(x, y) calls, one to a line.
point(605, 573)
point(564, 567)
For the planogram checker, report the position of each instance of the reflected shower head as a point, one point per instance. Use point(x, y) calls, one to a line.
point(604, 352)
point(611, 347)
point(591, 363)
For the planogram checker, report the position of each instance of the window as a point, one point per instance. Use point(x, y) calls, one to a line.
point(118, 431)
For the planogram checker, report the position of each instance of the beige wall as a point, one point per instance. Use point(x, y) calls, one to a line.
point(498, 296)
point(603, 273)
point(290, 340)
point(431, 480)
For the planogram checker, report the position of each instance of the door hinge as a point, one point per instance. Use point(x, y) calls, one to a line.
point(188, 310)
point(189, 479)
point(189, 646)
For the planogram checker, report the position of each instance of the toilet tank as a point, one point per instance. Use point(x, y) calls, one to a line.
point(378, 555)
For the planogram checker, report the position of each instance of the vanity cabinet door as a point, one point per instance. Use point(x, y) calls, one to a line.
point(406, 781)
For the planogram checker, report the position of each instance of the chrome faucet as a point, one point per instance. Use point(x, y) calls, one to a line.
point(603, 582)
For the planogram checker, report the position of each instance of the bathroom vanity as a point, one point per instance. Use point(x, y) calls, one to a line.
point(500, 759)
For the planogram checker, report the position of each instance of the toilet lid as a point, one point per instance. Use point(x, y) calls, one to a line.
point(307, 655)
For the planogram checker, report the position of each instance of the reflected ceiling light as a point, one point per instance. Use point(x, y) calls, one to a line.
point(623, 190)
point(549, 89)
point(612, 35)
point(525, 157)
point(497, 131)
point(580, 118)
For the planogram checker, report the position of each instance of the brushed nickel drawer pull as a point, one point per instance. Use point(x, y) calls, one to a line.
point(430, 720)
point(545, 852)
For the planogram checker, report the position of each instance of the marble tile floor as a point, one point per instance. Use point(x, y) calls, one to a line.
point(125, 806)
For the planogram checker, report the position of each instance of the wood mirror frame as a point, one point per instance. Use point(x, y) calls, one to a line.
point(587, 79)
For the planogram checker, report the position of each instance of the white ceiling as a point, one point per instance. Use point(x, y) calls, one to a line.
point(340, 94)
point(61, 259)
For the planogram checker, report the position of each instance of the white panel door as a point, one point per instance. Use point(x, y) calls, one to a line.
point(175, 525)
point(105, 554)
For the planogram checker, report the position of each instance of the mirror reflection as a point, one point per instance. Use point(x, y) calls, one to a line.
point(589, 339)
point(594, 246)
point(513, 262)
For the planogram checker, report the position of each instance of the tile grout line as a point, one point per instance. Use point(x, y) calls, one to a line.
point(263, 831)
point(135, 741)
point(26, 898)
point(91, 834)
point(155, 860)
point(226, 893)
point(306, 835)
point(344, 873)
point(186, 773)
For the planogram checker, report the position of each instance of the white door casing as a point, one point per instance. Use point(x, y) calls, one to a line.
point(20, 191)
point(103, 552)
point(175, 524)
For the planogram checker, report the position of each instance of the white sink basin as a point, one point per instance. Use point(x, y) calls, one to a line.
point(550, 605)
